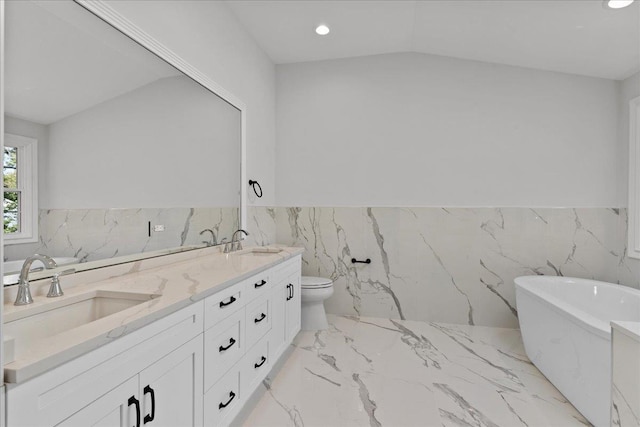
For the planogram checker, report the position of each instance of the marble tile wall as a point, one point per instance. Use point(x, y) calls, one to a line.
point(453, 265)
point(91, 234)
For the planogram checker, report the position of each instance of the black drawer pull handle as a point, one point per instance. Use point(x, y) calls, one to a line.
point(262, 360)
point(231, 343)
point(231, 301)
point(289, 293)
point(261, 284)
point(150, 417)
point(224, 405)
point(260, 319)
point(133, 401)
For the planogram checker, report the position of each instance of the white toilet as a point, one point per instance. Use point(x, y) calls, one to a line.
point(314, 291)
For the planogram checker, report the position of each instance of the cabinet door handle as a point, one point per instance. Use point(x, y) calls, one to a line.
point(224, 304)
point(260, 319)
point(262, 360)
point(150, 417)
point(258, 285)
point(231, 343)
point(288, 293)
point(224, 405)
point(133, 401)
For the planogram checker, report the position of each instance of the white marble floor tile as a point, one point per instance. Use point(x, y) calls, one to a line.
point(385, 372)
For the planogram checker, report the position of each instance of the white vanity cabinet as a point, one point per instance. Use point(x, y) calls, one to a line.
point(164, 394)
point(106, 383)
point(241, 348)
point(196, 366)
point(286, 307)
point(110, 410)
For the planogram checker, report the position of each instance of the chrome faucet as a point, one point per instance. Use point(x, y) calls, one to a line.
point(24, 293)
point(55, 290)
point(211, 242)
point(234, 244)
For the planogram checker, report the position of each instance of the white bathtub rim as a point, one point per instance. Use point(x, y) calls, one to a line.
point(575, 315)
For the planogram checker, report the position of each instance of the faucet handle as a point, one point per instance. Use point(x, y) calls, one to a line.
point(55, 290)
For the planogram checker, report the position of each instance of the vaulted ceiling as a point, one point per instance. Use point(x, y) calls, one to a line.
point(571, 36)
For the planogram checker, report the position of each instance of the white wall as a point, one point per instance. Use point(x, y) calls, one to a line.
point(422, 130)
point(208, 36)
point(166, 144)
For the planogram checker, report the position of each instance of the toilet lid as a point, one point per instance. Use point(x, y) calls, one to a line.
point(315, 282)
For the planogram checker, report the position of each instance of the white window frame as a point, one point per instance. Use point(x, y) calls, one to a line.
point(28, 186)
point(633, 247)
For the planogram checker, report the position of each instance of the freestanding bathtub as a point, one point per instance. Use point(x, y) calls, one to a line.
point(565, 328)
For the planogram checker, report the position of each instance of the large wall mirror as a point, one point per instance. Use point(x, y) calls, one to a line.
point(111, 153)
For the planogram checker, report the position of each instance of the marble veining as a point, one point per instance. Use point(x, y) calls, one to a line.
point(452, 265)
point(175, 281)
point(385, 372)
point(625, 387)
point(93, 234)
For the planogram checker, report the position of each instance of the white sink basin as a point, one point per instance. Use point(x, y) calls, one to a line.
point(28, 326)
point(262, 251)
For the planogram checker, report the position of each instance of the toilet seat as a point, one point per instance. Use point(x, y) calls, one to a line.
point(311, 282)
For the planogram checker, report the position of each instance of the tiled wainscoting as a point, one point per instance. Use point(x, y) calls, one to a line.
point(91, 234)
point(453, 265)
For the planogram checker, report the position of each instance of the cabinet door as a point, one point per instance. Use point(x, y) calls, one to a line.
point(117, 408)
point(294, 306)
point(279, 319)
point(171, 389)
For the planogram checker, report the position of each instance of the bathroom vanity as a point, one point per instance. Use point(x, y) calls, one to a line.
point(144, 333)
point(176, 340)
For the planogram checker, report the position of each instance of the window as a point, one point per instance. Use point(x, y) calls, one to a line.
point(20, 203)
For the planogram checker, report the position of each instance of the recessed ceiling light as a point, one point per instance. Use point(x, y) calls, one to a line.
point(617, 4)
point(323, 30)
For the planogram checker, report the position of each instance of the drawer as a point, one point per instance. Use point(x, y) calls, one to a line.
point(224, 303)
point(258, 320)
point(256, 365)
point(223, 402)
point(258, 285)
point(224, 345)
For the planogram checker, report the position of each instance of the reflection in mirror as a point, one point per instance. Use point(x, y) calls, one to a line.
point(134, 158)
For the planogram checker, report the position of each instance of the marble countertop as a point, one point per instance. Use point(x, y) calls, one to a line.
point(175, 286)
point(631, 329)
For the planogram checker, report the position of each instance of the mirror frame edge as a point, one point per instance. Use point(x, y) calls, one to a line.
point(633, 210)
point(2, 399)
point(105, 12)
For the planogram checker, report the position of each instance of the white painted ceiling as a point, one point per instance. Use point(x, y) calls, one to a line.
point(571, 36)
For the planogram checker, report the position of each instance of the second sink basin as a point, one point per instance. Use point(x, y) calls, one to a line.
point(262, 250)
point(60, 316)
